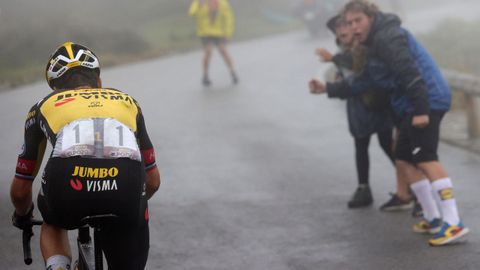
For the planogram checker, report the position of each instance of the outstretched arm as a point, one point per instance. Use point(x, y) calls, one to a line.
point(28, 163)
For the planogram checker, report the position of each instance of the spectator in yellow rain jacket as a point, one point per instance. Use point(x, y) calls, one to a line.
point(215, 25)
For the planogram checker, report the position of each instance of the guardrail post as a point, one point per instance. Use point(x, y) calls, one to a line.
point(473, 118)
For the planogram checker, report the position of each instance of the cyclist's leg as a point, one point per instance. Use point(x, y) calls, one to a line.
point(54, 242)
point(55, 247)
point(126, 242)
point(126, 247)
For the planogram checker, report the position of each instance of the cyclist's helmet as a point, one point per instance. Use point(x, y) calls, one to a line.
point(68, 56)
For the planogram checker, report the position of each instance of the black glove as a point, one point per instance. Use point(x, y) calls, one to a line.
point(23, 222)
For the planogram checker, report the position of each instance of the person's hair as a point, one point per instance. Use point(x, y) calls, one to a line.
point(364, 6)
point(340, 22)
point(77, 77)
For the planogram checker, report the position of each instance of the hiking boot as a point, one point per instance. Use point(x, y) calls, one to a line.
point(396, 204)
point(362, 197)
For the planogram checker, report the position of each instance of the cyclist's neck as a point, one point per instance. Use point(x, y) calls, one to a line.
point(83, 87)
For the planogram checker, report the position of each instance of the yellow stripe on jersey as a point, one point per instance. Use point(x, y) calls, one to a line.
point(68, 106)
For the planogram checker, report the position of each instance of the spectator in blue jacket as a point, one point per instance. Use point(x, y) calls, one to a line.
point(420, 97)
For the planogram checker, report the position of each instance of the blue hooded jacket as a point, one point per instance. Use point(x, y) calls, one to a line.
point(401, 66)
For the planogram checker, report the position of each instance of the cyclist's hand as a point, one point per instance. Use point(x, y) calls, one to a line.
point(317, 87)
point(325, 55)
point(23, 222)
point(420, 121)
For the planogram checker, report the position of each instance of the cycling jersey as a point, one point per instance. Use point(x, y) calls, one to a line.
point(93, 123)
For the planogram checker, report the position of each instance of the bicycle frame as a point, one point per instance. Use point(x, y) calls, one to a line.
point(89, 255)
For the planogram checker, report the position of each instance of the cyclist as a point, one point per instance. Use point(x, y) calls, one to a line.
point(215, 25)
point(102, 162)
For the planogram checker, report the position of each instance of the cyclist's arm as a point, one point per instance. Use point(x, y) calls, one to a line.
point(28, 164)
point(152, 180)
point(21, 195)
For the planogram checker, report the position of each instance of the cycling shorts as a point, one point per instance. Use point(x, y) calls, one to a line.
point(73, 188)
point(76, 187)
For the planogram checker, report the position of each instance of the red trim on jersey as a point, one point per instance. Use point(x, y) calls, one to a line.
point(25, 166)
point(147, 215)
point(148, 156)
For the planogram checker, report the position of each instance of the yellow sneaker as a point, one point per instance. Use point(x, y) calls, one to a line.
point(448, 234)
point(431, 227)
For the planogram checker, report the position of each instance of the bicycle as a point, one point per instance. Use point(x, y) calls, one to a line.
point(90, 255)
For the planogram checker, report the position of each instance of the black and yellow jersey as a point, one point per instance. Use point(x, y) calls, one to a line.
point(95, 123)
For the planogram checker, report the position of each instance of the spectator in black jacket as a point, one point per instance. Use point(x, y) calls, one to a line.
point(367, 113)
point(421, 97)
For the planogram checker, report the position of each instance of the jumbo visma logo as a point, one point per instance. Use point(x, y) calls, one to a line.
point(95, 172)
point(76, 184)
point(94, 178)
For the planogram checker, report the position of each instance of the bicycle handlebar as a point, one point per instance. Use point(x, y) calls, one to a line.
point(26, 236)
point(27, 252)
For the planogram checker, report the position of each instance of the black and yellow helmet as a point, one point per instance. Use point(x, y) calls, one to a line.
point(68, 56)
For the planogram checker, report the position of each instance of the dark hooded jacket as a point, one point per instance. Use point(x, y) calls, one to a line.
point(398, 63)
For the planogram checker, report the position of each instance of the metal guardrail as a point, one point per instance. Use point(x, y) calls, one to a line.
point(469, 85)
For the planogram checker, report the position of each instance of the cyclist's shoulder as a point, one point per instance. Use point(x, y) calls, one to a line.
point(123, 93)
point(36, 106)
point(114, 90)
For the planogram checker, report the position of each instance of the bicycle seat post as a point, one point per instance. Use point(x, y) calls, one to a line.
point(97, 223)
point(84, 235)
point(97, 249)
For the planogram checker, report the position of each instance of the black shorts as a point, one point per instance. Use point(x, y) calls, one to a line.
point(416, 145)
point(211, 40)
point(73, 188)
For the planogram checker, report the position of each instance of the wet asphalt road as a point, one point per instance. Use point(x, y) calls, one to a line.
point(256, 176)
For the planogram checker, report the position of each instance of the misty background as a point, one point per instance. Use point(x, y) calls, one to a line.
point(124, 31)
point(246, 169)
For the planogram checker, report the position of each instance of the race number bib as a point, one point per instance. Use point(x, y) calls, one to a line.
point(119, 141)
point(97, 137)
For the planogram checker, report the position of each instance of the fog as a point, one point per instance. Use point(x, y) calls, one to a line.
point(30, 30)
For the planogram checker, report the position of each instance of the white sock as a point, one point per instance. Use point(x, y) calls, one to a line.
point(58, 262)
point(444, 189)
point(423, 191)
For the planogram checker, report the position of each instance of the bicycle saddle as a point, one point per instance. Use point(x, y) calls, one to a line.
point(98, 220)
